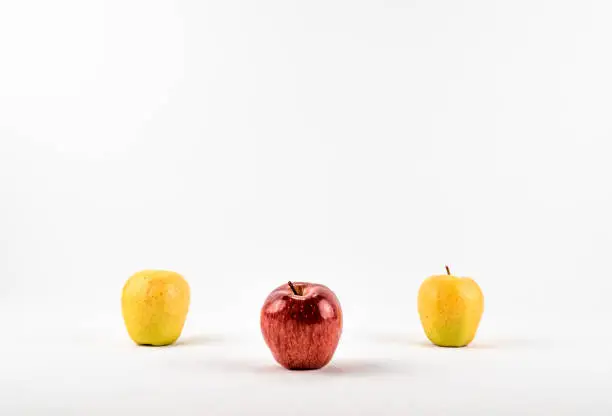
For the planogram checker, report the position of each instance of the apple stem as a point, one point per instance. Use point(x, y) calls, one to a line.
point(293, 289)
point(447, 270)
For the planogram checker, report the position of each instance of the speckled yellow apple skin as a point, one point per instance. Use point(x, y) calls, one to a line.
point(154, 304)
point(450, 309)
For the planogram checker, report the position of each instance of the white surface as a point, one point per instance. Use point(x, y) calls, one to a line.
point(359, 144)
point(372, 373)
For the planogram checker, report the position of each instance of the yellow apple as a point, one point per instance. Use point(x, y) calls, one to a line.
point(154, 305)
point(450, 309)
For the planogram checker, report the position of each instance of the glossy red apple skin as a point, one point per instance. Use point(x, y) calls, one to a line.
point(302, 331)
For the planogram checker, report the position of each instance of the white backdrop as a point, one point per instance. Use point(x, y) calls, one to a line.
point(359, 144)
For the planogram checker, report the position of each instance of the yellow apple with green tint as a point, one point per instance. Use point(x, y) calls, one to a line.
point(450, 309)
point(154, 305)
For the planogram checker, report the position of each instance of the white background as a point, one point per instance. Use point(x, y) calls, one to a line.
point(359, 144)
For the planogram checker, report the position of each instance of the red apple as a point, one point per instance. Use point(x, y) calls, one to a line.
point(302, 323)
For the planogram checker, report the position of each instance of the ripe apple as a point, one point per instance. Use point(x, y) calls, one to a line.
point(154, 304)
point(301, 324)
point(450, 309)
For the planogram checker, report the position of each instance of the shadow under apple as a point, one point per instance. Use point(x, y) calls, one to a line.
point(190, 341)
point(362, 368)
point(199, 340)
point(477, 344)
point(337, 368)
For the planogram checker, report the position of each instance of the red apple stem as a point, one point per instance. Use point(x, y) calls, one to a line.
point(447, 270)
point(293, 289)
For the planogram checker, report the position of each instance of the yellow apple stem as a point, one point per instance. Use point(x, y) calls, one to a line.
point(293, 289)
point(447, 270)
